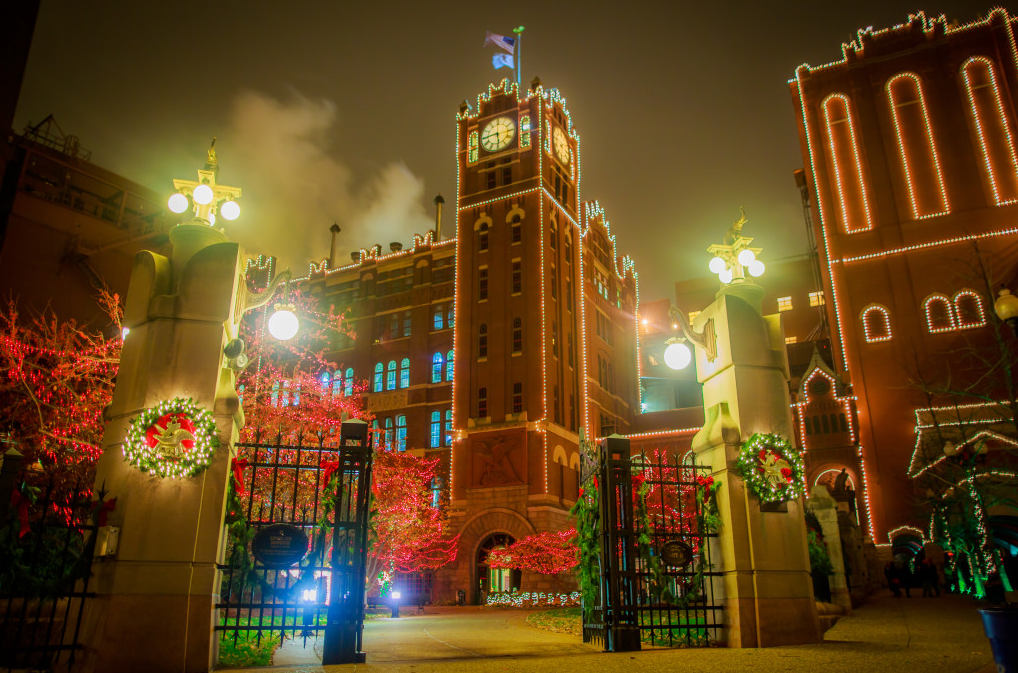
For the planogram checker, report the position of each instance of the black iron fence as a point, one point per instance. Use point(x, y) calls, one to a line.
point(47, 538)
point(314, 493)
point(657, 520)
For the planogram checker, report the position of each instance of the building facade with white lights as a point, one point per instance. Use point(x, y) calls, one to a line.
point(912, 178)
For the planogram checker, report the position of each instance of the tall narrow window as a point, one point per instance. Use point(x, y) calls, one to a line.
point(569, 248)
point(482, 341)
point(390, 376)
point(844, 162)
point(450, 316)
point(406, 323)
point(516, 229)
point(437, 318)
point(517, 276)
point(404, 373)
point(939, 316)
point(348, 382)
point(274, 398)
point(569, 292)
point(436, 429)
point(517, 335)
point(482, 283)
point(554, 282)
point(379, 370)
point(447, 436)
point(482, 237)
point(517, 397)
point(436, 368)
point(472, 144)
point(525, 131)
point(337, 382)
point(993, 127)
point(876, 323)
point(570, 346)
point(552, 235)
point(482, 402)
point(916, 146)
point(401, 433)
point(449, 366)
point(388, 433)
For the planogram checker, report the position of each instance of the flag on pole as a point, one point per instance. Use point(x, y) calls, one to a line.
point(501, 61)
point(500, 41)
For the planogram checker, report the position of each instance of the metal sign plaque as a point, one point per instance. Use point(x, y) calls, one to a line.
point(676, 553)
point(280, 545)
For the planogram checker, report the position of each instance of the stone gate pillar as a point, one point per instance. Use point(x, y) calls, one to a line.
point(744, 372)
point(825, 508)
point(154, 610)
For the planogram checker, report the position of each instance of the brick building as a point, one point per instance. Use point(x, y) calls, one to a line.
point(912, 181)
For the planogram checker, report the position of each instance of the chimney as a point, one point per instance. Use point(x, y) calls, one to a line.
point(333, 261)
point(395, 247)
point(438, 217)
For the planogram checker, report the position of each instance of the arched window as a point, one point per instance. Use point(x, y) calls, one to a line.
point(876, 323)
point(377, 383)
point(993, 128)
point(939, 313)
point(845, 164)
point(834, 423)
point(436, 368)
point(807, 426)
point(968, 309)
point(401, 433)
point(404, 373)
point(447, 436)
point(274, 399)
point(525, 131)
point(916, 146)
point(826, 423)
point(482, 340)
point(482, 237)
point(337, 382)
point(436, 491)
point(517, 335)
point(348, 382)
point(284, 401)
point(375, 432)
point(388, 433)
point(436, 429)
point(472, 146)
point(816, 425)
point(390, 376)
point(449, 366)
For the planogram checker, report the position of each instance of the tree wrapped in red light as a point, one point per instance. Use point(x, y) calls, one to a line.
point(546, 553)
point(56, 377)
point(408, 533)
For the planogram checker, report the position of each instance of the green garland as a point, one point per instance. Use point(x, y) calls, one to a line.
point(587, 512)
point(772, 468)
point(182, 421)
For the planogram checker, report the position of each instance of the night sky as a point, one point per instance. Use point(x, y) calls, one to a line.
point(345, 111)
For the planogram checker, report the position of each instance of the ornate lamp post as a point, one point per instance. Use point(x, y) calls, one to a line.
point(734, 258)
point(1006, 308)
point(204, 195)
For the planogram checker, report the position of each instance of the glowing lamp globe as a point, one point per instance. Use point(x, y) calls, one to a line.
point(177, 203)
point(678, 356)
point(397, 595)
point(746, 257)
point(725, 276)
point(212, 219)
point(230, 210)
point(202, 195)
point(716, 265)
point(283, 324)
point(756, 268)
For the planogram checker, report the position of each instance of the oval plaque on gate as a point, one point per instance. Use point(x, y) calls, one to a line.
point(676, 553)
point(280, 545)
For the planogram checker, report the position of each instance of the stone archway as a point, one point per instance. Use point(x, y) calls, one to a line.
point(478, 529)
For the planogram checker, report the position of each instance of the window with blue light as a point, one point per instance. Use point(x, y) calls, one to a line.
point(404, 373)
point(436, 368)
point(348, 382)
point(436, 429)
point(401, 433)
point(449, 366)
point(377, 387)
point(390, 376)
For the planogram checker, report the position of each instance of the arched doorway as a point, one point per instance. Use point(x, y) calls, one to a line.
point(493, 579)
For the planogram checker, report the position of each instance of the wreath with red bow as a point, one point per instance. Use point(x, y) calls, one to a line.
point(174, 439)
point(772, 468)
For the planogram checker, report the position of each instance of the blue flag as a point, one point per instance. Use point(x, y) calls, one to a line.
point(502, 61)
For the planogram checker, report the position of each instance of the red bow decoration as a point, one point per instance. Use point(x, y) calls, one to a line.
point(787, 474)
point(105, 509)
point(328, 467)
point(21, 502)
point(238, 475)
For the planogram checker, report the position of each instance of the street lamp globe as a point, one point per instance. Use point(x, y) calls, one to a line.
point(283, 323)
point(756, 268)
point(678, 355)
point(177, 203)
point(230, 210)
point(1006, 308)
point(725, 276)
point(202, 195)
point(716, 265)
point(747, 257)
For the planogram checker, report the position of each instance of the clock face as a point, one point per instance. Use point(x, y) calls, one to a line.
point(558, 138)
point(498, 134)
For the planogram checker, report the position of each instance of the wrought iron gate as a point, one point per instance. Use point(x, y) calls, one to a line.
point(655, 523)
point(322, 490)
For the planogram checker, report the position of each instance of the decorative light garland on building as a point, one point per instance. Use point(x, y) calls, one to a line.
point(175, 438)
point(980, 124)
point(856, 170)
point(772, 468)
point(930, 244)
point(931, 145)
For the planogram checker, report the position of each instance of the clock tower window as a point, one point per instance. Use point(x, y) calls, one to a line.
point(482, 237)
point(482, 284)
point(517, 229)
point(472, 147)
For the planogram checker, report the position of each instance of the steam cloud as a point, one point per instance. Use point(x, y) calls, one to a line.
point(294, 189)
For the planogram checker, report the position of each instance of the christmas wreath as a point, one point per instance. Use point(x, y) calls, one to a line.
point(174, 439)
point(772, 468)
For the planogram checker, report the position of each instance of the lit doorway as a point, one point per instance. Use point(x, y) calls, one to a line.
point(490, 580)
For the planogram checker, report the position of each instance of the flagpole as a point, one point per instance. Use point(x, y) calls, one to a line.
point(519, 55)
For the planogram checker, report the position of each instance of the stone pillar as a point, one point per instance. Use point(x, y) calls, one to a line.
point(825, 509)
point(154, 608)
point(767, 586)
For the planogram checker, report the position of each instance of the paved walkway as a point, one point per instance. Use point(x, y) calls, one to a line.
point(937, 635)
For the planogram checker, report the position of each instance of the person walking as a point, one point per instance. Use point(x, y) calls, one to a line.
point(891, 573)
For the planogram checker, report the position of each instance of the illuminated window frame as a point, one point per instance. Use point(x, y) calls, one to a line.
point(978, 298)
point(472, 147)
point(785, 303)
point(906, 161)
point(390, 375)
point(524, 131)
point(449, 365)
point(348, 382)
point(928, 307)
point(980, 124)
point(856, 163)
point(816, 298)
point(864, 315)
point(791, 339)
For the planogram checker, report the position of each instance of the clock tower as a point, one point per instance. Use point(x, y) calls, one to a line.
point(518, 390)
